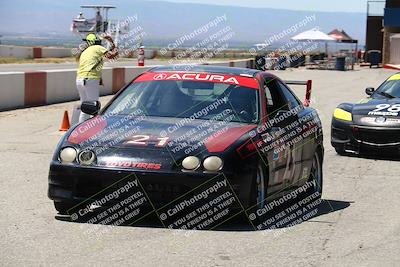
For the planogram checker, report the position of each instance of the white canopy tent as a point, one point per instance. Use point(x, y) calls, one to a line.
point(314, 35)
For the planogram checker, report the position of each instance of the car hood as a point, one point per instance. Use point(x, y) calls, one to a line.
point(157, 134)
point(370, 107)
point(375, 112)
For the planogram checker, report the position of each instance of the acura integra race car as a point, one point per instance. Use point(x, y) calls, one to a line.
point(371, 126)
point(186, 134)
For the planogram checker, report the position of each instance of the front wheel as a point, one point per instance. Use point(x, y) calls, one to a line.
point(316, 175)
point(259, 187)
point(340, 151)
point(63, 207)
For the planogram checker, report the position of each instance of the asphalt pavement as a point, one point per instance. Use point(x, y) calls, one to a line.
point(358, 223)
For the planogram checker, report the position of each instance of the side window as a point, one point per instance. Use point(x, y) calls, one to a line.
point(275, 101)
point(268, 97)
point(289, 96)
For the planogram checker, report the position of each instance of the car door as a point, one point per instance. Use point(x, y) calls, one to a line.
point(280, 158)
point(300, 144)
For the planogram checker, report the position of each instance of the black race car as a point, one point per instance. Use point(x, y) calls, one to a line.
point(372, 126)
point(173, 130)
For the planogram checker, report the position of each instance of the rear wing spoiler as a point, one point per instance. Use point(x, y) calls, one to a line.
point(308, 85)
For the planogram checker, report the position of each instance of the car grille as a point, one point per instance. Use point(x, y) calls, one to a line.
point(380, 137)
point(158, 193)
point(161, 194)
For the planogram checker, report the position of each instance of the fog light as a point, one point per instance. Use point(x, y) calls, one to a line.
point(191, 163)
point(68, 155)
point(213, 163)
point(86, 157)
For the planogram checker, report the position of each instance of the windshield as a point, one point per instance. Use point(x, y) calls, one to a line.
point(390, 88)
point(188, 99)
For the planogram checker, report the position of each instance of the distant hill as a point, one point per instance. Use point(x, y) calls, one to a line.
point(163, 21)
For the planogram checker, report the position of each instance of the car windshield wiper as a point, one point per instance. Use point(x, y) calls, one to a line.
point(386, 94)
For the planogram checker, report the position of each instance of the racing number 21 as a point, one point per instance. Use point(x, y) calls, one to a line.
point(143, 140)
point(390, 108)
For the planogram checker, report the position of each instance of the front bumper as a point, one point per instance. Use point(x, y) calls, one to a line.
point(358, 139)
point(77, 184)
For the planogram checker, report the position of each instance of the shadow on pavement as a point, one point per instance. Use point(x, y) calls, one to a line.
point(373, 156)
point(278, 218)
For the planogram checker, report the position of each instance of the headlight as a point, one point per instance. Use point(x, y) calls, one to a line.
point(68, 155)
point(86, 157)
point(191, 163)
point(213, 164)
point(343, 115)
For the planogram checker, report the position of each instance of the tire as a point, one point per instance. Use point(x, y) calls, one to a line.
point(63, 206)
point(340, 151)
point(259, 186)
point(316, 175)
point(258, 193)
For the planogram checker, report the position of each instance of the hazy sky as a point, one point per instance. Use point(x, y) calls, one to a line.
point(311, 5)
point(55, 16)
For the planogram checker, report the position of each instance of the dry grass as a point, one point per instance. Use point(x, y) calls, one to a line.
point(11, 60)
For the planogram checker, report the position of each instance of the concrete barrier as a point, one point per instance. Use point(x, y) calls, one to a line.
point(59, 52)
point(16, 51)
point(239, 63)
point(56, 52)
point(133, 72)
point(107, 75)
point(148, 54)
point(12, 90)
point(25, 89)
point(23, 52)
point(61, 86)
point(33, 52)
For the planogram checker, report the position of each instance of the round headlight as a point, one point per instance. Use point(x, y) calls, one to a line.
point(86, 157)
point(213, 163)
point(68, 155)
point(191, 163)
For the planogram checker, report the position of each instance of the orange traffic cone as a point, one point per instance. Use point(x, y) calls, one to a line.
point(65, 123)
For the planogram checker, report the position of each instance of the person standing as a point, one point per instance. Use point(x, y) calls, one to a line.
point(91, 60)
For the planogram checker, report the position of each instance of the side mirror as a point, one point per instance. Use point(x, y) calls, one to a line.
point(369, 90)
point(91, 107)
